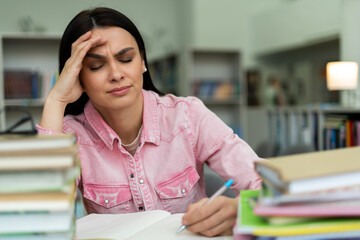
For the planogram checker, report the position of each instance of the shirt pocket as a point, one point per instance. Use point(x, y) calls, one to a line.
point(179, 191)
point(107, 198)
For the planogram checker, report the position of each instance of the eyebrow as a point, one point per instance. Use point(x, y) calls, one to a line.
point(98, 56)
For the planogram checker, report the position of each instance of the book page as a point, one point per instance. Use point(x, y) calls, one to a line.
point(116, 226)
point(167, 229)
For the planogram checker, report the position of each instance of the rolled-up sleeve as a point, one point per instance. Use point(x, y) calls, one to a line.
point(223, 151)
point(42, 130)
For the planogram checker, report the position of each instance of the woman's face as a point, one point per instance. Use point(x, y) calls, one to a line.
point(112, 73)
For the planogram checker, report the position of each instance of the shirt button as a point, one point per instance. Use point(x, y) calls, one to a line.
point(183, 190)
point(132, 175)
point(141, 208)
point(106, 201)
point(141, 181)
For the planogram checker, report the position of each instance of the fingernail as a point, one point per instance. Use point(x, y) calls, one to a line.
point(184, 222)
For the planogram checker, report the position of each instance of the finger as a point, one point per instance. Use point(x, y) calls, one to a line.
point(85, 46)
point(212, 214)
point(87, 42)
point(220, 223)
point(81, 39)
point(188, 216)
point(98, 42)
point(196, 205)
point(223, 229)
point(200, 211)
point(79, 53)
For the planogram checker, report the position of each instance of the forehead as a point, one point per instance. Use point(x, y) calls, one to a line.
point(116, 37)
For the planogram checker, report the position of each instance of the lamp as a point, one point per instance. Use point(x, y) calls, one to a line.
point(342, 75)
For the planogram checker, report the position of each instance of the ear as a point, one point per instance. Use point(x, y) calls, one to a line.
point(143, 66)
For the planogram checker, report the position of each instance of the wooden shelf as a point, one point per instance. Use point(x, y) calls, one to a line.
point(228, 101)
point(31, 35)
point(35, 52)
point(213, 72)
point(25, 102)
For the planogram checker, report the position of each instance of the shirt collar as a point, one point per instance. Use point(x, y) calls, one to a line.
point(105, 132)
point(151, 123)
point(151, 129)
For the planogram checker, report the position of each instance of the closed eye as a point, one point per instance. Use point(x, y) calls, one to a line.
point(96, 68)
point(125, 61)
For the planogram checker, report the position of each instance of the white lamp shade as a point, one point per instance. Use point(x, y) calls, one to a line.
point(342, 75)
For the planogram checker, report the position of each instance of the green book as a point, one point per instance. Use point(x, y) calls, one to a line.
point(250, 224)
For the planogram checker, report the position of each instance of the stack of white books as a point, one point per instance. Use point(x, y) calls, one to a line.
point(37, 186)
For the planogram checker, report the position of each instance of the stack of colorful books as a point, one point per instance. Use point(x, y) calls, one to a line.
point(37, 186)
point(304, 196)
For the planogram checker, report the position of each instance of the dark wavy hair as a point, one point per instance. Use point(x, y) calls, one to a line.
point(98, 18)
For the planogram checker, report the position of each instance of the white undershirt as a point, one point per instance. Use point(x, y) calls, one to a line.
point(131, 148)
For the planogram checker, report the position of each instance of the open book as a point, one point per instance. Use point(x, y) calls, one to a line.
point(148, 225)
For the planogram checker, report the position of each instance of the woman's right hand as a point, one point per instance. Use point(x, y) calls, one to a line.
point(68, 88)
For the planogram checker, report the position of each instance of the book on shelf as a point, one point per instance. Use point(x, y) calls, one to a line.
point(18, 84)
point(28, 84)
point(314, 171)
point(216, 89)
point(341, 131)
point(155, 224)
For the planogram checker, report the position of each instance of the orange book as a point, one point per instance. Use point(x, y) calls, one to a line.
point(349, 133)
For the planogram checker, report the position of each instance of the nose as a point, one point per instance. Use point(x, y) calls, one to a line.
point(116, 73)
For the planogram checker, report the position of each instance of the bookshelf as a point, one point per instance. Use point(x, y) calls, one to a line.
point(34, 55)
point(216, 77)
point(164, 73)
point(323, 128)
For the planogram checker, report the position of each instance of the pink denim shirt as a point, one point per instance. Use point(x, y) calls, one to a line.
point(166, 172)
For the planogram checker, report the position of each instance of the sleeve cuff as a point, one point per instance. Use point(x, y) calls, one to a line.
point(42, 130)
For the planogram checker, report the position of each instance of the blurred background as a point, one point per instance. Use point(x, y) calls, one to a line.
point(259, 65)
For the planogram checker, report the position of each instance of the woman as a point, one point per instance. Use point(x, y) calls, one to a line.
point(139, 151)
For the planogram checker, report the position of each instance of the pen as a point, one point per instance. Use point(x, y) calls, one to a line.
point(217, 193)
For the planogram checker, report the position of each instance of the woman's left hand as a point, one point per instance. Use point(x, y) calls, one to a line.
point(215, 218)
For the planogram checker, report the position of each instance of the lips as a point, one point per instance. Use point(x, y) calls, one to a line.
point(118, 89)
